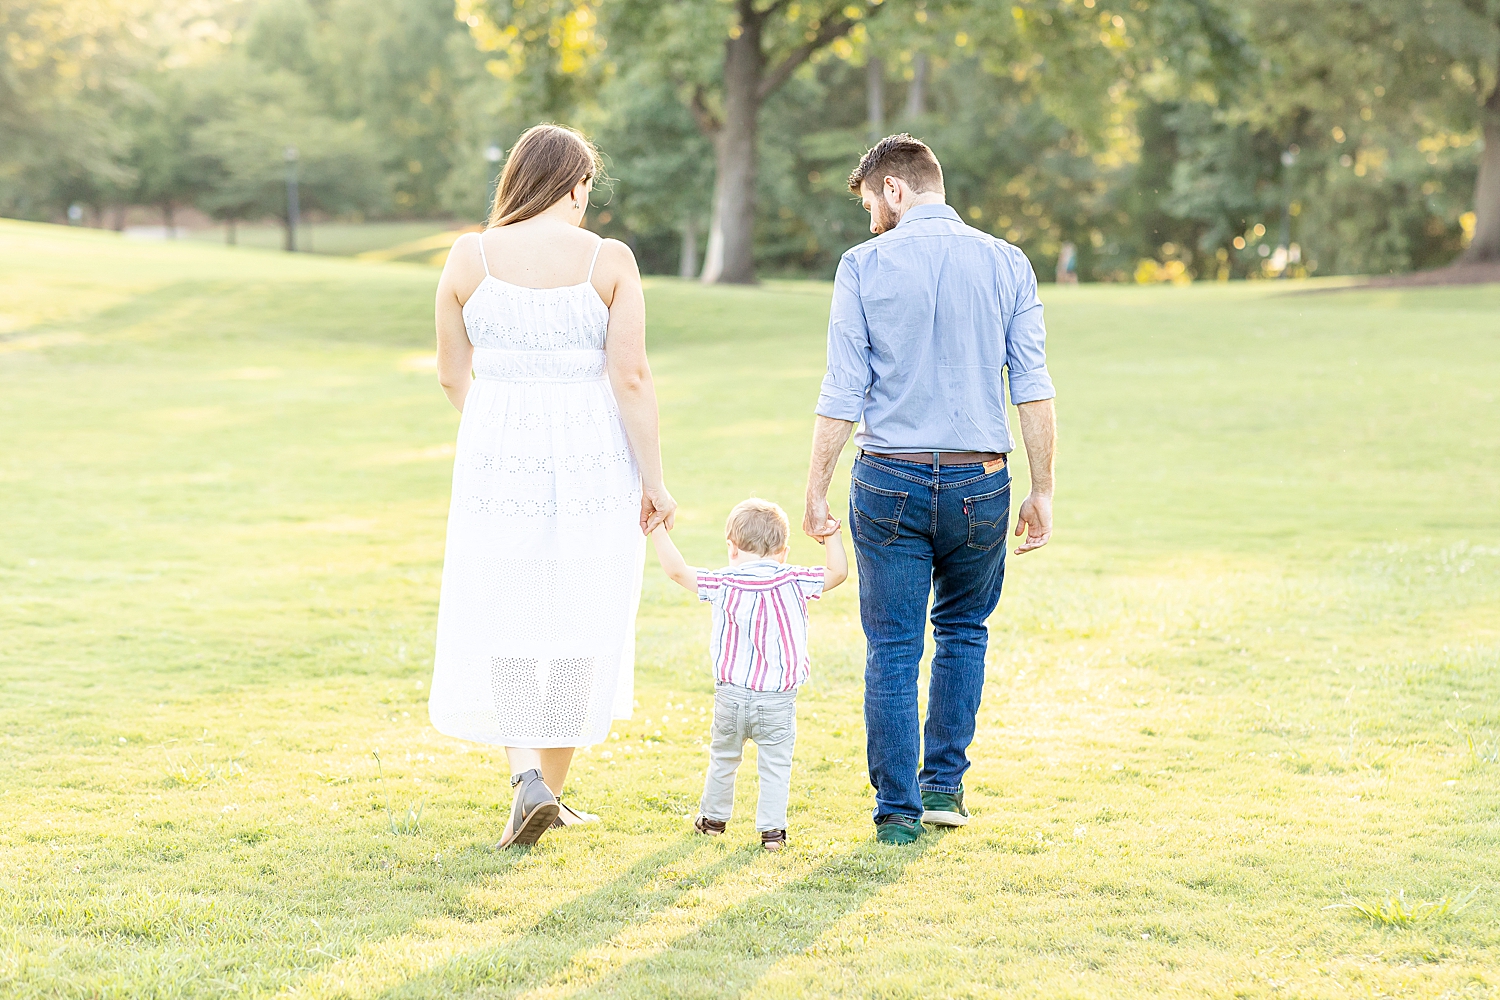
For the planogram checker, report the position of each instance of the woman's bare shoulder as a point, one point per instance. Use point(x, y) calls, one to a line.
point(462, 271)
point(617, 256)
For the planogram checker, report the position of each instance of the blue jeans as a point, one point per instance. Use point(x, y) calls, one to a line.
point(920, 530)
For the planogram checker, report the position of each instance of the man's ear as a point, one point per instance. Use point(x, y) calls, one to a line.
point(891, 188)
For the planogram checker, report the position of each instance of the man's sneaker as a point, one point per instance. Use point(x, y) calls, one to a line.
point(942, 809)
point(897, 829)
point(773, 840)
point(712, 827)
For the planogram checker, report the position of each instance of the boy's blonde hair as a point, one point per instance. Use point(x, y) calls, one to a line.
point(758, 526)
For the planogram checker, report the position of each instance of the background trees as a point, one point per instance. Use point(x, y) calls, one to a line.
point(1149, 133)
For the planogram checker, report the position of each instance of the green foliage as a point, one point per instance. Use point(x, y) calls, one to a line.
point(64, 68)
point(337, 163)
point(1394, 911)
point(1136, 131)
point(659, 162)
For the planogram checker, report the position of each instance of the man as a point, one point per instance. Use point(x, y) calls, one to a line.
point(925, 316)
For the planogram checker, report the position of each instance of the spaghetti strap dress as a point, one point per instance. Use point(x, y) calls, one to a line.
point(544, 556)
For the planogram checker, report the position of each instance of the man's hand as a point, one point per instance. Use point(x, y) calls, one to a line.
point(1035, 520)
point(829, 436)
point(816, 521)
point(1039, 431)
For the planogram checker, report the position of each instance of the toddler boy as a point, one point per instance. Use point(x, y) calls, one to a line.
point(759, 651)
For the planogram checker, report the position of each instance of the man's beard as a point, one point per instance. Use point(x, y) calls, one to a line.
point(885, 217)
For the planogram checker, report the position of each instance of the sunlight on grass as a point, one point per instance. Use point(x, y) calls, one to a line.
point(1395, 911)
point(1257, 670)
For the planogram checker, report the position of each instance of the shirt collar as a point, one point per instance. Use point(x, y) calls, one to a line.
point(765, 566)
point(937, 210)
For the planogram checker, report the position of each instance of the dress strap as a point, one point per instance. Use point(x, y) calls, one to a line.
point(484, 263)
point(590, 278)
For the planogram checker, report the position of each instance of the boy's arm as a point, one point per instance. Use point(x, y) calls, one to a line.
point(678, 571)
point(836, 559)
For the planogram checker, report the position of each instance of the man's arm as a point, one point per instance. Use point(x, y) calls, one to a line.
point(829, 438)
point(842, 399)
point(1039, 431)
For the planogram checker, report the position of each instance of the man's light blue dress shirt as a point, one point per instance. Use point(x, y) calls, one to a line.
point(924, 318)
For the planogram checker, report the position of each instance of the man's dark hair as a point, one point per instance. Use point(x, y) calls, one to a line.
point(899, 156)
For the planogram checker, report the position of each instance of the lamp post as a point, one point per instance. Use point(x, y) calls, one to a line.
point(492, 153)
point(293, 213)
point(1284, 251)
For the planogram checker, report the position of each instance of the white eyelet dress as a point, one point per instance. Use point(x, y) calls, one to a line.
point(542, 572)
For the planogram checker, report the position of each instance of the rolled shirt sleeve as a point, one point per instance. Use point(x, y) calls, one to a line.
point(709, 585)
point(810, 581)
point(1026, 339)
point(849, 373)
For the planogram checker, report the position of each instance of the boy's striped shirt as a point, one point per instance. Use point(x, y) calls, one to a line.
point(760, 622)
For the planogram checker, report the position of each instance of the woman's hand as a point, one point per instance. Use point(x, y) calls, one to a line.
point(658, 509)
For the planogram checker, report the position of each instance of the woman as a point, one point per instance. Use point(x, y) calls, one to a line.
point(557, 478)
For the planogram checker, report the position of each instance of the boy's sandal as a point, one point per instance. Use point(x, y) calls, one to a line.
point(534, 810)
point(773, 840)
point(568, 816)
point(712, 827)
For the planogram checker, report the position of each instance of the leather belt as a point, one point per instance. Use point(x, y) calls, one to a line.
point(930, 458)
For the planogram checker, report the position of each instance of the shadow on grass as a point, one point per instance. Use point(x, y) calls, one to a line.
point(550, 944)
point(727, 956)
point(724, 958)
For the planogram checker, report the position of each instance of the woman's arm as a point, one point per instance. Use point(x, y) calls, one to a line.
point(455, 355)
point(630, 377)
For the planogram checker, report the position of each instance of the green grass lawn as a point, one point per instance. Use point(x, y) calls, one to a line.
point(1254, 675)
point(341, 239)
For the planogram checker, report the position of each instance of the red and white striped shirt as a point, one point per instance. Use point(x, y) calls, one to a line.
point(760, 622)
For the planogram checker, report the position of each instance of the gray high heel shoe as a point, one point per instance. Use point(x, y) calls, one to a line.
point(534, 810)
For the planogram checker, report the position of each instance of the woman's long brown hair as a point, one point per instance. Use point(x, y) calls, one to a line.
point(544, 164)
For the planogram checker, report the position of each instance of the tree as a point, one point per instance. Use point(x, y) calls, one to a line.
point(1388, 120)
point(660, 165)
point(762, 50)
point(551, 48)
point(243, 152)
point(402, 67)
point(65, 66)
point(167, 174)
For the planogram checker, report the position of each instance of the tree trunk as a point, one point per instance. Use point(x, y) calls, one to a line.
point(231, 235)
point(916, 93)
point(117, 223)
point(875, 99)
point(731, 238)
point(1486, 243)
point(168, 219)
point(687, 267)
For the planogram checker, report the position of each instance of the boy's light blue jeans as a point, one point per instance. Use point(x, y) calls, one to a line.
point(769, 718)
point(920, 531)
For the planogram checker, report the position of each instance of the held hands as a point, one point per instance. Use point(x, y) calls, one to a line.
point(658, 509)
point(816, 521)
point(1035, 520)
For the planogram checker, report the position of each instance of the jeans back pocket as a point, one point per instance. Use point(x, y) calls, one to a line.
point(989, 516)
point(877, 512)
point(773, 724)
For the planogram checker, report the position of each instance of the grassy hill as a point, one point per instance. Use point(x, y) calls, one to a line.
point(1253, 677)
